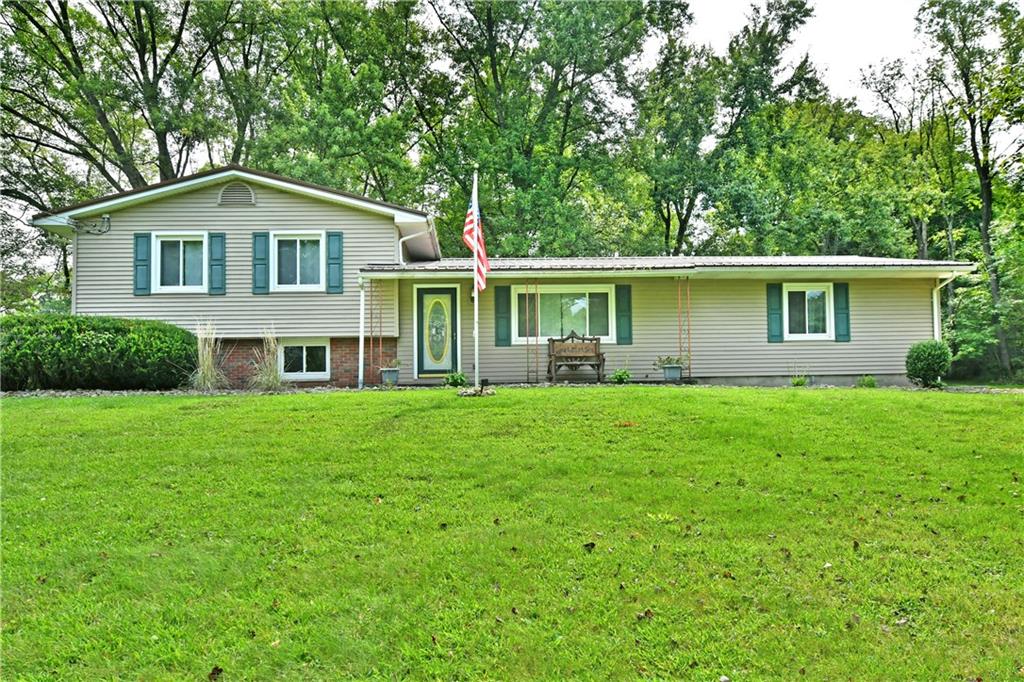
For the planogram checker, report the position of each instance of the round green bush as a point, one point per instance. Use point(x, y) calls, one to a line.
point(927, 362)
point(71, 351)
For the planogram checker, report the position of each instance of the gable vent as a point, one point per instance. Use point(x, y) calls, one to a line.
point(237, 194)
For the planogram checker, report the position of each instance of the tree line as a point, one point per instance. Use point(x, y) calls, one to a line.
point(597, 127)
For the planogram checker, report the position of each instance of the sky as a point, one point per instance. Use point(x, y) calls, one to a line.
point(843, 37)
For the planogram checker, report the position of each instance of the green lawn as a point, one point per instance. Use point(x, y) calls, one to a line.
point(595, 532)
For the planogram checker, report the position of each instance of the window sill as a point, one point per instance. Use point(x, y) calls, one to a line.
point(306, 377)
point(298, 289)
point(809, 337)
point(179, 290)
point(519, 341)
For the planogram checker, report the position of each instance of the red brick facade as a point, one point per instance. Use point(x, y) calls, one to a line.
point(239, 355)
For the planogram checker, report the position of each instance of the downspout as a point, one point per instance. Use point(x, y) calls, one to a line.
point(362, 327)
point(936, 308)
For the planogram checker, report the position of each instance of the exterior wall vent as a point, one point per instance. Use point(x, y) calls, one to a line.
point(237, 194)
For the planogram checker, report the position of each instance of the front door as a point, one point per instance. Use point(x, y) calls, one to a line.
point(438, 323)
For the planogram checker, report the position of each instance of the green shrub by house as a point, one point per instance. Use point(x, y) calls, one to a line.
point(928, 362)
point(69, 351)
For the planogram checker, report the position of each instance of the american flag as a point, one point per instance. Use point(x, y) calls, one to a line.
point(473, 237)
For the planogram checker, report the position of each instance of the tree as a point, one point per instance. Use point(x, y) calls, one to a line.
point(117, 86)
point(984, 85)
point(695, 107)
point(530, 102)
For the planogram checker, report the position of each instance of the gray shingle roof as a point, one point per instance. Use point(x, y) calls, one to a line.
point(635, 263)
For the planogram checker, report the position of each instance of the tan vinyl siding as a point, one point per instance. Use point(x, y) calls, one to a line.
point(729, 327)
point(103, 277)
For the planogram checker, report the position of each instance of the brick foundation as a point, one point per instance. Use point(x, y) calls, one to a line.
point(238, 357)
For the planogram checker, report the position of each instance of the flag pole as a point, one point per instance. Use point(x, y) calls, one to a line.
point(476, 289)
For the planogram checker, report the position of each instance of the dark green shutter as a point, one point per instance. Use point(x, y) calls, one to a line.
point(335, 253)
point(142, 250)
point(841, 291)
point(217, 270)
point(503, 316)
point(623, 314)
point(261, 262)
point(774, 313)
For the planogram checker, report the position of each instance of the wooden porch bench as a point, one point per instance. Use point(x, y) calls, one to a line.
point(575, 351)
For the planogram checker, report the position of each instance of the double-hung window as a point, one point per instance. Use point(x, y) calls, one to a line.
point(304, 359)
point(298, 261)
point(180, 259)
point(552, 311)
point(808, 312)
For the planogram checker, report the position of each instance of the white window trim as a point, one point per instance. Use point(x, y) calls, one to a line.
point(587, 288)
point(298, 234)
point(156, 261)
point(304, 376)
point(830, 315)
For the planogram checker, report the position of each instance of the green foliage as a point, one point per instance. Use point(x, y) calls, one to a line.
point(455, 379)
point(928, 362)
point(50, 351)
point(798, 380)
point(866, 381)
point(620, 376)
point(663, 360)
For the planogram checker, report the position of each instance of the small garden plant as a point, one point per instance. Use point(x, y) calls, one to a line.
point(798, 380)
point(663, 361)
point(866, 381)
point(455, 379)
point(620, 376)
point(927, 363)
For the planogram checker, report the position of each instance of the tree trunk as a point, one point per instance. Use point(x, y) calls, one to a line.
point(921, 235)
point(992, 268)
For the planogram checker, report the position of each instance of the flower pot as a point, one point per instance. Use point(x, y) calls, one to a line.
point(389, 375)
point(672, 372)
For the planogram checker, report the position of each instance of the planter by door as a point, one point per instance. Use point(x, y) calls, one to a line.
point(389, 375)
point(672, 372)
point(437, 324)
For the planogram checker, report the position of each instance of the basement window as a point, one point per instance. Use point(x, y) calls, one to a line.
point(304, 359)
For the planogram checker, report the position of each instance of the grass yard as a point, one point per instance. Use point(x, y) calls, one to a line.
point(594, 532)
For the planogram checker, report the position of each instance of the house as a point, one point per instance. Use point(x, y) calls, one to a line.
point(347, 282)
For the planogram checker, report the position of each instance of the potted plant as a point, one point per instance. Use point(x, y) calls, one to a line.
point(671, 366)
point(389, 372)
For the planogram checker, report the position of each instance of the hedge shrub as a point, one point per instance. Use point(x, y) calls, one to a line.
point(928, 362)
point(70, 351)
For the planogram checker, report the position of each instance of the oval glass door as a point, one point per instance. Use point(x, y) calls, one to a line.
point(437, 338)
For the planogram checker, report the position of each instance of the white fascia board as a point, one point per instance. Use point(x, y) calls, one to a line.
point(764, 273)
point(61, 219)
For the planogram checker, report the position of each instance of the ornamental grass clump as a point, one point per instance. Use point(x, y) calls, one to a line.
point(208, 375)
point(266, 376)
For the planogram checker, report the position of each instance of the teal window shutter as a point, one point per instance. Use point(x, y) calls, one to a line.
point(774, 313)
point(217, 267)
point(503, 316)
point(841, 291)
point(335, 257)
point(261, 262)
point(143, 248)
point(623, 314)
